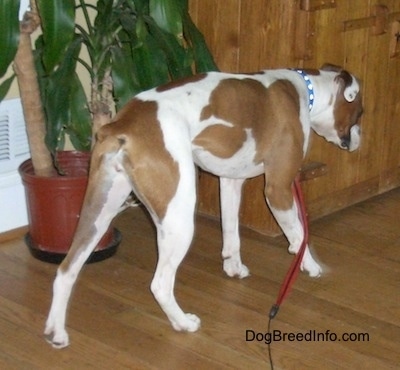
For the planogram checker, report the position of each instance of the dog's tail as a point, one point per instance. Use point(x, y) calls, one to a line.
point(110, 136)
point(110, 148)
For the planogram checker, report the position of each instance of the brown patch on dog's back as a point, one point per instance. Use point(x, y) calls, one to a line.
point(270, 114)
point(248, 104)
point(147, 161)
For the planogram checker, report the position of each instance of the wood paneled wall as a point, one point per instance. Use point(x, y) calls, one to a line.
point(249, 35)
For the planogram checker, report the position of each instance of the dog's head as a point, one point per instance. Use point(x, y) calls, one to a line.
point(338, 122)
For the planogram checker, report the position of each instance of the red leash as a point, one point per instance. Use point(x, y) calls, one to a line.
point(293, 271)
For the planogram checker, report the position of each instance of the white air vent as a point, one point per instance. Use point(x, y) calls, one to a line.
point(13, 140)
point(13, 151)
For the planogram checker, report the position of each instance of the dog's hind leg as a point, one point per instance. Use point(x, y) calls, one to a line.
point(231, 193)
point(108, 188)
point(174, 236)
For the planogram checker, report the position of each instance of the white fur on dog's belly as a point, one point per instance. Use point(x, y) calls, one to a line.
point(240, 165)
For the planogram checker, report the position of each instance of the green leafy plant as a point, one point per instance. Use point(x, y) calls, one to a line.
point(132, 45)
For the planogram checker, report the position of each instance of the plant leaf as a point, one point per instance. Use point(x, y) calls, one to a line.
point(155, 71)
point(80, 126)
point(104, 14)
point(175, 55)
point(9, 33)
point(138, 6)
point(203, 59)
point(57, 97)
point(58, 23)
point(168, 16)
point(148, 59)
point(126, 84)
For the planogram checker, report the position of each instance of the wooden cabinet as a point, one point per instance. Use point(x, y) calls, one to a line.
point(363, 36)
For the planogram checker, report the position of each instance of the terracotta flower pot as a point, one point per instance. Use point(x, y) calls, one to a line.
point(54, 205)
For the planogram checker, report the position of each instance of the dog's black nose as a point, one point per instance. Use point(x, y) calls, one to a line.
point(345, 143)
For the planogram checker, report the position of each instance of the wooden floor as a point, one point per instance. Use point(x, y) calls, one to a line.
point(114, 322)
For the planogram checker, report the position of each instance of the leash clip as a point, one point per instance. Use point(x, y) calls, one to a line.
point(273, 312)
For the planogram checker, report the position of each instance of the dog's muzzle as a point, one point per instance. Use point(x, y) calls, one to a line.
point(351, 142)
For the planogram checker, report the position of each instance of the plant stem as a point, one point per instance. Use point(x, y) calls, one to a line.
point(25, 70)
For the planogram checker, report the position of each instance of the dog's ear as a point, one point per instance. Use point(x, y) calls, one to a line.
point(349, 85)
point(331, 68)
point(350, 93)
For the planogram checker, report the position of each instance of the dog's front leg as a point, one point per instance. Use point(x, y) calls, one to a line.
point(107, 189)
point(231, 193)
point(288, 220)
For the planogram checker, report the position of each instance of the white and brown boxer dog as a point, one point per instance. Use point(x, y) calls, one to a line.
point(235, 126)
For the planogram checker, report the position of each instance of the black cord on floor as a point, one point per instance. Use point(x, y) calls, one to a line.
point(272, 313)
point(271, 364)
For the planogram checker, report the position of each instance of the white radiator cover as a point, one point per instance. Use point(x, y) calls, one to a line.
point(14, 150)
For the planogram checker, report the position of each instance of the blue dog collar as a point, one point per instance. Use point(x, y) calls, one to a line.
point(310, 88)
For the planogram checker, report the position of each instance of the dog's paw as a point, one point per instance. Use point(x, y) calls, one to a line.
point(293, 249)
point(235, 268)
point(57, 340)
point(309, 265)
point(191, 323)
point(313, 271)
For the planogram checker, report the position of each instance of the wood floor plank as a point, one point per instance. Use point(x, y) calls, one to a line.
point(114, 321)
